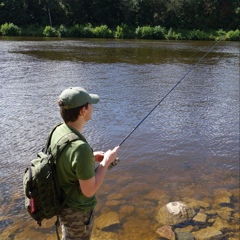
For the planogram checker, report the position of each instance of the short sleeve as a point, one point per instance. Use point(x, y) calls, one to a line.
point(83, 161)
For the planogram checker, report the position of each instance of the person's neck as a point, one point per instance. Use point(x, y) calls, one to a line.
point(78, 125)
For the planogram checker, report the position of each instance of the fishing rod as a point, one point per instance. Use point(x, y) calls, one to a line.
point(115, 162)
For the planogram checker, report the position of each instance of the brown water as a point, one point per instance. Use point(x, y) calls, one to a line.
point(186, 149)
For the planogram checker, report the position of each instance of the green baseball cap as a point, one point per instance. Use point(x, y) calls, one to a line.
point(75, 97)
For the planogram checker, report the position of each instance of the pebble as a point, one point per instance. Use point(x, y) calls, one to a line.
point(200, 217)
point(166, 232)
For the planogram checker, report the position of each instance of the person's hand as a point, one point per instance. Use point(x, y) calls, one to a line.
point(98, 156)
point(111, 155)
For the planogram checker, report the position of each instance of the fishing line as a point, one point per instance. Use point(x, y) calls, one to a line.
point(184, 76)
point(194, 66)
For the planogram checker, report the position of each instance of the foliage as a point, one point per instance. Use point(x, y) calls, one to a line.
point(233, 35)
point(124, 31)
point(159, 32)
point(198, 35)
point(176, 14)
point(79, 30)
point(173, 35)
point(33, 31)
point(102, 32)
point(10, 29)
point(63, 31)
point(76, 31)
point(148, 32)
point(50, 32)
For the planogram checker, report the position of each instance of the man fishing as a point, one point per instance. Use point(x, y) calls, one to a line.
point(76, 164)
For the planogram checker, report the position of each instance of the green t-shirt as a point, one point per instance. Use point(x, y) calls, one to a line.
point(74, 163)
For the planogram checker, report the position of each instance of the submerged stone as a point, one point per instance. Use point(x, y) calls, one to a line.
point(174, 213)
point(225, 212)
point(208, 233)
point(107, 220)
point(166, 232)
point(200, 217)
point(222, 196)
point(183, 235)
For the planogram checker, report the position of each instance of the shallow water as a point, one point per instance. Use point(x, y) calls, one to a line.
point(187, 148)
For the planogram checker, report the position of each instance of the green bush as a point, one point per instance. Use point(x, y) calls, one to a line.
point(124, 31)
point(76, 31)
point(145, 32)
point(10, 29)
point(50, 32)
point(63, 31)
point(233, 35)
point(172, 35)
point(102, 32)
point(159, 32)
point(198, 35)
point(82, 31)
point(88, 31)
point(33, 31)
point(119, 33)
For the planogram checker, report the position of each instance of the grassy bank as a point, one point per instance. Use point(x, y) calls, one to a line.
point(121, 32)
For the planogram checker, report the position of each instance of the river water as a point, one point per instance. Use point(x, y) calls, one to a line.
point(187, 148)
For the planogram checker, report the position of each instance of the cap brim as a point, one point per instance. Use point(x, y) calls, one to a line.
point(94, 98)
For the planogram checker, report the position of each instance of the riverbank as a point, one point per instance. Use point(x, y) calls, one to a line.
point(121, 32)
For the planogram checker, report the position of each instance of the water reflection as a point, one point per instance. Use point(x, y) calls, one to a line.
point(186, 149)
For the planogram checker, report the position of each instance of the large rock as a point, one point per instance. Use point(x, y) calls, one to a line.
point(174, 213)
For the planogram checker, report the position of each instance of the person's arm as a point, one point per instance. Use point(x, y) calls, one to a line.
point(89, 187)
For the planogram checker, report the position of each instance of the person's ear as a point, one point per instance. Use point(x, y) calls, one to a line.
point(82, 111)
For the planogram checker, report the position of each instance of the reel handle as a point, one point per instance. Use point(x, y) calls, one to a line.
point(114, 163)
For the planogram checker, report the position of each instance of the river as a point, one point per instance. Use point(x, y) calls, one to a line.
point(187, 148)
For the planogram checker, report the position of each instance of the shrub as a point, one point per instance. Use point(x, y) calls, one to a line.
point(33, 31)
point(50, 32)
point(76, 31)
point(63, 32)
point(9, 29)
point(198, 35)
point(159, 32)
point(82, 31)
point(88, 30)
point(233, 35)
point(145, 32)
point(124, 31)
point(102, 32)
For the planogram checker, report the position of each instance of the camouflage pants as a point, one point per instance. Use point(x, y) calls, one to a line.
point(76, 225)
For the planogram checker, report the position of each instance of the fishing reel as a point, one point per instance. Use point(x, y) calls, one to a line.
point(114, 163)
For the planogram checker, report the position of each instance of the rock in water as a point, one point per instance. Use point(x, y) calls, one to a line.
point(174, 213)
point(166, 233)
point(107, 220)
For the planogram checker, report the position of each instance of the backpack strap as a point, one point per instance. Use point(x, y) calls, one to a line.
point(47, 144)
point(60, 145)
point(55, 150)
